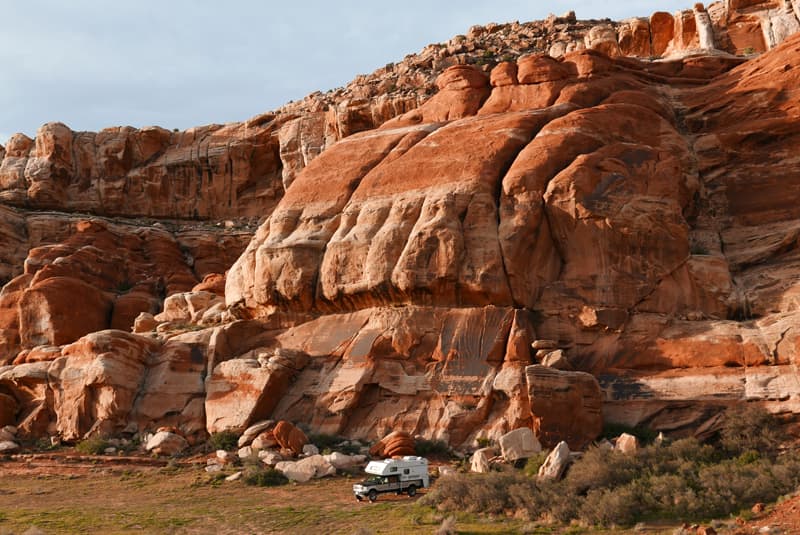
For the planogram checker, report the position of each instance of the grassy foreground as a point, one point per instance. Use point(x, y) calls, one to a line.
point(185, 501)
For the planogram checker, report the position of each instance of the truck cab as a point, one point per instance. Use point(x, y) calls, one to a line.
point(404, 475)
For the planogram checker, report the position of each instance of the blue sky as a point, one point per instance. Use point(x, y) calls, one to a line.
point(180, 63)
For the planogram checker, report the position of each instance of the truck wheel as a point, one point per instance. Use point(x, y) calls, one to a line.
point(372, 495)
point(412, 491)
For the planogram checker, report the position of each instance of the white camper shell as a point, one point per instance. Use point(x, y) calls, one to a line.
point(393, 475)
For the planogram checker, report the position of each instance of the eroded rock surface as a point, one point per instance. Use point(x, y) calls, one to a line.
point(639, 217)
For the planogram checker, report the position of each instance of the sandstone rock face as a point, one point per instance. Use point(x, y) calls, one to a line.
point(80, 276)
point(640, 216)
point(566, 406)
point(243, 169)
point(242, 391)
point(107, 381)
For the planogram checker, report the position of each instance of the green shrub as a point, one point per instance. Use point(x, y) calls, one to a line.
point(684, 479)
point(92, 446)
point(484, 442)
point(224, 440)
point(263, 477)
point(432, 448)
point(749, 428)
point(533, 464)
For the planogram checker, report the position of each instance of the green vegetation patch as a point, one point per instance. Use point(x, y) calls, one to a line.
point(680, 480)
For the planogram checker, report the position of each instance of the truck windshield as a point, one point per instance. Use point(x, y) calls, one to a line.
point(373, 481)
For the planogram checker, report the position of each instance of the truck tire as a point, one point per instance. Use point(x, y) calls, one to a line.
point(372, 495)
point(412, 491)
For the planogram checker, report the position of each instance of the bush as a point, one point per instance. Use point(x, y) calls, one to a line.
point(263, 477)
point(224, 440)
point(92, 446)
point(685, 479)
point(431, 448)
point(533, 464)
point(749, 428)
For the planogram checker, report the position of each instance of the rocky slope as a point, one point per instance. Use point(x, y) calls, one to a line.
point(630, 222)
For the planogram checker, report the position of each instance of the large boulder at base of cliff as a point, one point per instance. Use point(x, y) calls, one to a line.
point(519, 444)
point(166, 443)
point(253, 431)
point(290, 437)
point(8, 446)
point(566, 406)
point(479, 463)
point(342, 461)
point(304, 470)
point(626, 443)
point(555, 463)
point(395, 444)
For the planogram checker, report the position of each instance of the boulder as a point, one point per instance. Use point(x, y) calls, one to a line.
point(557, 359)
point(224, 456)
point(550, 345)
point(566, 406)
point(253, 431)
point(304, 470)
point(480, 460)
point(341, 461)
point(166, 443)
point(270, 458)
point(626, 443)
point(310, 449)
point(145, 322)
point(519, 444)
point(245, 452)
point(290, 437)
point(8, 446)
point(264, 441)
point(6, 435)
point(395, 444)
point(556, 462)
point(236, 476)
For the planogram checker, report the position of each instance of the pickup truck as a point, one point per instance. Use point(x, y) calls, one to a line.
point(405, 475)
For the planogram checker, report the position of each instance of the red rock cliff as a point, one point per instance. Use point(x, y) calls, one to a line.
point(581, 210)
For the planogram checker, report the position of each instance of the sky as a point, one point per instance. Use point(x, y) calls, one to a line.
point(92, 64)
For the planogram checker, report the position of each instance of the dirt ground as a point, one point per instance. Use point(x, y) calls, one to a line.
point(64, 492)
point(783, 517)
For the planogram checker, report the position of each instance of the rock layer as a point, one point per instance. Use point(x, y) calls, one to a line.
point(638, 216)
